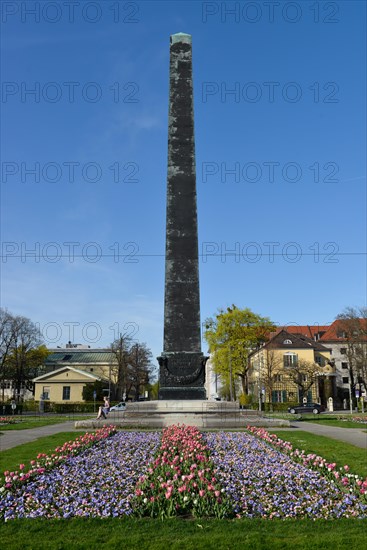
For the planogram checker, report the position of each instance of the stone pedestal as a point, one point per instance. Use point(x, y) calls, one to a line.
point(182, 375)
point(192, 412)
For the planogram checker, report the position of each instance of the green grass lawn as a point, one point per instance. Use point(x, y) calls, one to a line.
point(178, 534)
point(327, 420)
point(331, 421)
point(330, 449)
point(28, 422)
point(22, 454)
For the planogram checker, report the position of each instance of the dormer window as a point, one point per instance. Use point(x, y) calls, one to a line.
point(287, 342)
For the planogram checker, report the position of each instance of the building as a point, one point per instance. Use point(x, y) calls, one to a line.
point(63, 385)
point(336, 339)
point(69, 369)
point(291, 367)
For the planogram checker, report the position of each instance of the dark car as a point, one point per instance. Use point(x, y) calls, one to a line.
point(314, 408)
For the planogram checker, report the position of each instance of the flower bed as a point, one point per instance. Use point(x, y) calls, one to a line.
point(181, 480)
point(45, 462)
point(189, 474)
point(97, 482)
point(352, 482)
point(264, 482)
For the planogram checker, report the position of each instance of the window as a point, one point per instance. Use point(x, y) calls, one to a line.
point(343, 351)
point(290, 359)
point(277, 377)
point(279, 396)
point(287, 342)
point(46, 392)
point(344, 365)
point(66, 393)
point(67, 357)
point(345, 379)
point(341, 334)
point(319, 360)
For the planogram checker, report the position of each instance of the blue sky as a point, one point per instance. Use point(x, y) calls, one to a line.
point(95, 134)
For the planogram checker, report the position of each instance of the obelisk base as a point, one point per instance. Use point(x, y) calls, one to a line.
point(182, 376)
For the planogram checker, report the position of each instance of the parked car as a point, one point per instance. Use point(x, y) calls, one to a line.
point(315, 408)
point(121, 407)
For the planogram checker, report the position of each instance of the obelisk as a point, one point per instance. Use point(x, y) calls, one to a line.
point(182, 363)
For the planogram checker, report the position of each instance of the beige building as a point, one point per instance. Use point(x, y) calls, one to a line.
point(291, 368)
point(63, 385)
point(69, 369)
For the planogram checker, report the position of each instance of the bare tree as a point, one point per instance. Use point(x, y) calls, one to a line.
point(7, 337)
point(353, 325)
point(269, 370)
point(304, 374)
point(24, 352)
point(140, 367)
point(120, 386)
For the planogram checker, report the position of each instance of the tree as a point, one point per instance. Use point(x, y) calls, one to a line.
point(273, 363)
point(304, 374)
point(140, 367)
point(131, 369)
point(154, 390)
point(231, 336)
point(88, 391)
point(23, 351)
point(120, 386)
point(353, 325)
point(7, 337)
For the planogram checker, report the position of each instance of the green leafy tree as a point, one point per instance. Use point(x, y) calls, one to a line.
point(231, 336)
point(97, 386)
point(153, 390)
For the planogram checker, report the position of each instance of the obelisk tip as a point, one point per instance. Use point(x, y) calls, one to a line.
point(180, 37)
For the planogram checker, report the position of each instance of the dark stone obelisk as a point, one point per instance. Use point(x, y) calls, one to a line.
point(182, 364)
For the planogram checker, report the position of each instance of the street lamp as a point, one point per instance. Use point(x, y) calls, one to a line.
point(350, 395)
point(230, 374)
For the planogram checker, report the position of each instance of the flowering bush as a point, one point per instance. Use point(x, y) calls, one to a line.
point(352, 482)
point(99, 481)
point(181, 480)
point(45, 462)
point(7, 420)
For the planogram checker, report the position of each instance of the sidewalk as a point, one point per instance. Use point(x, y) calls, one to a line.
point(12, 438)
